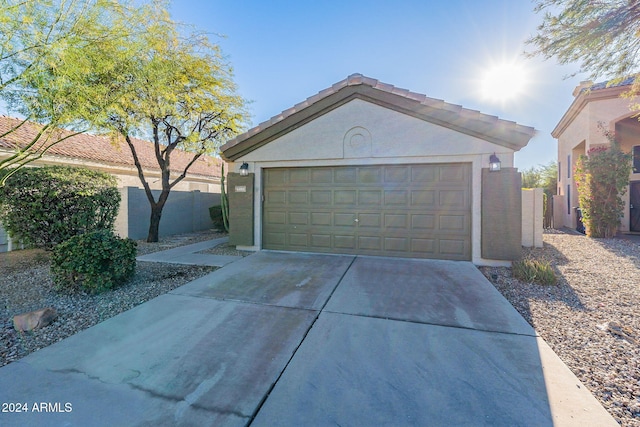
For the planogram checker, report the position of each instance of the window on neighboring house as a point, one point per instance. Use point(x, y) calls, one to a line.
point(559, 172)
point(636, 159)
point(569, 166)
point(569, 199)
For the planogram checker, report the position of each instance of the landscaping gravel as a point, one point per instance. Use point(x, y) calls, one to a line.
point(25, 285)
point(591, 318)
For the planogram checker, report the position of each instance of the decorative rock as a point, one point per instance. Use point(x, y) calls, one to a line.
point(34, 319)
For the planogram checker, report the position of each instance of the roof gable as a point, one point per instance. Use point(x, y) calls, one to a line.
point(489, 128)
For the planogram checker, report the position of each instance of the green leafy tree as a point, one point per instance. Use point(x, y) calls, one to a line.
point(602, 177)
point(177, 92)
point(542, 176)
point(46, 73)
point(531, 178)
point(601, 36)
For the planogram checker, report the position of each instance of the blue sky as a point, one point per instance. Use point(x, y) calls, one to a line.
point(285, 51)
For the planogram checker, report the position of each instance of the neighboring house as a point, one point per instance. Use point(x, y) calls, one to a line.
point(596, 106)
point(366, 168)
point(199, 190)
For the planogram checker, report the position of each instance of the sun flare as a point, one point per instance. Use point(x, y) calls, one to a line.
point(504, 82)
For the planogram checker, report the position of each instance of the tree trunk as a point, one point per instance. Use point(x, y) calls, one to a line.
point(156, 215)
point(154, 223)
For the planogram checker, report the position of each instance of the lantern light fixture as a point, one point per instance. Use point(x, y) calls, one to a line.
point(494, 163)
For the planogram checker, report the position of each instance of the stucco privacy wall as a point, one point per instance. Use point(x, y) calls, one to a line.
point(532, 216)
point(363, 133)
point(184, 212)
point(3, 240)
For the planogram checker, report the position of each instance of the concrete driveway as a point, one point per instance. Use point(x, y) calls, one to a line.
point(307, 340)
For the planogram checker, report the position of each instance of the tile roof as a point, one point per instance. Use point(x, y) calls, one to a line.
point(607, 84)
point(103, 149)
point(492, 128)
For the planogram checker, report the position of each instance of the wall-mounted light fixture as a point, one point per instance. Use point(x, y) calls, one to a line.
point(494, 163)
point(244, 169)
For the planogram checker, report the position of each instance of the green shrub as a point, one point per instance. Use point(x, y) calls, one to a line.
point(48, 205)
point(602, 177)
point(534, 271)
point(94, 261)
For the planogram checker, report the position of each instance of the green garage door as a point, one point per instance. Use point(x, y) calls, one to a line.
point(417, 211)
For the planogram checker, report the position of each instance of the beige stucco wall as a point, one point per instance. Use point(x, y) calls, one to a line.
point(532, 215)
point(580, 132)
point(362, 133)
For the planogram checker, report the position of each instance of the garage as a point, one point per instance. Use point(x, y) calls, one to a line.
point(366, 168)
point(417, 211)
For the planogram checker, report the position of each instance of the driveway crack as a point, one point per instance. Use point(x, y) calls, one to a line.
point(315, 319)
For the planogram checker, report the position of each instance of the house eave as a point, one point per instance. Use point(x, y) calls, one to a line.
point(489, 128)
point(581, 101)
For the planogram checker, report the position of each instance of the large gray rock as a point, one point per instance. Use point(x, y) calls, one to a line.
point(34, 319)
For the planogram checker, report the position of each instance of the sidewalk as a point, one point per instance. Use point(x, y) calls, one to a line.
point(189, 255)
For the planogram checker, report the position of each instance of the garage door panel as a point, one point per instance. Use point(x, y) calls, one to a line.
point(321, 218)
point(370, 175)
point(276, 177)
point(298, 218)
point(275, 218)
point(424, 173)
point(421, 198)
point(321, 176)
point(369, 198)
point(421, 211)
point(342, 241)
point(370, 243)
point(453, 173)
point(395, 198)
point(299, 176)
point(345, 197)
point(396, 244)
point(321, 197)
point(321, 241)
point(344, 219)
point(298, 197)
point(452, 247)
point(277, 239)
point(275, 197)
point(396, 221)
point(370, 220)
point(300, 240)
point(448, 199)
point(453, 223)
point(423, 246)
point(423, 222)
point(396, 174)
point(345, 175)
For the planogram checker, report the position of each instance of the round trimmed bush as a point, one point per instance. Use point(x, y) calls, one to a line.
point(94, 261)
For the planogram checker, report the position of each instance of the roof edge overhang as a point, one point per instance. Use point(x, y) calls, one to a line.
point(489, 128)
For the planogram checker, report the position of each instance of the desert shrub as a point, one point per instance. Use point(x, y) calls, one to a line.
point(602, 177)
point(94, 261)
point(534, 271)
point(48, 205)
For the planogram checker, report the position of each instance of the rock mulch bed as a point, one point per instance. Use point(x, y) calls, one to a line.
point(25, 285)
point(591, 319)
